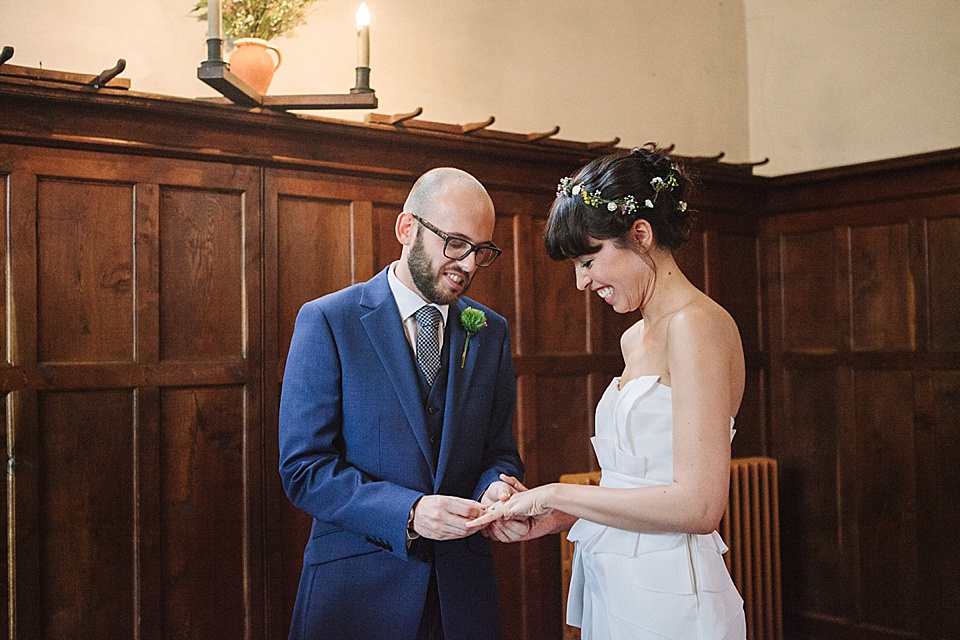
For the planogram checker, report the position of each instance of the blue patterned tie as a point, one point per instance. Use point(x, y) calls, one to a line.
point(428, 341)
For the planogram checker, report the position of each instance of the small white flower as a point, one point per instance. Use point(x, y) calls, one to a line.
point(683, 206)
point(576, 190)
point(656, 181)
point(648, 204)
point(611, 206)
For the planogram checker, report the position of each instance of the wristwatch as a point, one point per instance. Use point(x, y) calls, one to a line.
point(411, 533)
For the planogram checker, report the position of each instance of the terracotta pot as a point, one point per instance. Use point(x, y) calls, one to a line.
point(253, 63)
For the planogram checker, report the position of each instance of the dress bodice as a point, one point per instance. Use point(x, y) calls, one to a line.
point(627, 584)
point(634, 446)
point(634, 431)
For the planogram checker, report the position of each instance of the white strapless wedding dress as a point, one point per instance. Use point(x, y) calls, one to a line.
point(629, 585)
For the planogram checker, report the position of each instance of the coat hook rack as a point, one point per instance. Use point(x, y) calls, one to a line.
point(603, 144)
point(534, 137)
point(107, 79)
point(400, 118)
point(216, 73)
point(108, 74)
point(477, 126)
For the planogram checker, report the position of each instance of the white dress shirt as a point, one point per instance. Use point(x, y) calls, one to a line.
point(409, 302)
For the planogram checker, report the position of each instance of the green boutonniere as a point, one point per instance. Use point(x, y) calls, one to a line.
point(472, 320)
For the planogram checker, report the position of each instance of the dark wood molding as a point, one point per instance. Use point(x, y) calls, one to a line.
point(157, 251)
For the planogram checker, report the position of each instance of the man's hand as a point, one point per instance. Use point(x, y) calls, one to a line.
point(526, 506)
point(508, 530)
point(504, 530)
point(501, 490)
point(444, 517)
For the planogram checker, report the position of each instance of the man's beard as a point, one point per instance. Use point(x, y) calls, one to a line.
point(426, 279)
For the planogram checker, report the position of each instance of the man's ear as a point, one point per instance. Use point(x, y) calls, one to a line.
point(404, 228)
point(642, 233)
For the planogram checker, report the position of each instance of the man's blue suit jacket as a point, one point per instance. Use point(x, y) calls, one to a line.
point(355, 455)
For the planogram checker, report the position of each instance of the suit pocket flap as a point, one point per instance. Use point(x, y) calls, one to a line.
point(335, 545)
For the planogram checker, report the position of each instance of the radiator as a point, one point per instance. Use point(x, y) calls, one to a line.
point(750, 527)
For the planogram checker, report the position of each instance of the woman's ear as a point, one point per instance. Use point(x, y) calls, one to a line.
point(404, 228)
point(642, 233)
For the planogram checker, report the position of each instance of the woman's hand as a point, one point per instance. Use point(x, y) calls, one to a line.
point(526, 503)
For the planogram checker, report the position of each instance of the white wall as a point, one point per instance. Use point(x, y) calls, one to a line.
point(836, 82)
point(808, 83)
point(672, 72)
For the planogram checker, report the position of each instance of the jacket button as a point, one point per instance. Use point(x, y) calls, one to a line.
point(432, 410)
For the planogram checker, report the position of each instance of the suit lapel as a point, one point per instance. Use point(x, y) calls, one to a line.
point(458, 381)
point(385, 330)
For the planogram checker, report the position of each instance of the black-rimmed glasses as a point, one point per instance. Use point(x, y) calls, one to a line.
point(457, 248)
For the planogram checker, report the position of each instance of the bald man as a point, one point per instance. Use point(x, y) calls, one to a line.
point(392, 442)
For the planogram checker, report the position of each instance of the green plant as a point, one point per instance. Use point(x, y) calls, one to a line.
point(472, 320)
point(266, 19)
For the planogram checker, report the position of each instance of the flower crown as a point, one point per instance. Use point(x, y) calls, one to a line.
point(626, 204)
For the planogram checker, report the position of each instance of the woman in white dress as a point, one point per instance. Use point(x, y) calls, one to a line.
point(648, 560)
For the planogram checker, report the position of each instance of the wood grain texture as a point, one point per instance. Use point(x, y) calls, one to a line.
point(85, 271)
point(861, 301)
point(156, 252)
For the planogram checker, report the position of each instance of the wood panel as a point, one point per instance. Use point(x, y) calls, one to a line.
point(313, 254)
point(158, 253)
point(886, 500)
point(738, 287)
point(943, 239)
point(86, 518)
point(126, 262)
point(5, 186)
point(812, 545)
point(5, 450)
point(751, 421)
point(691, 258)
point(941, 543)
point(386, 247)
point(495, 286)
point(862, 337)
point(84, 271)
point(202, 456)
point(809, 315)
point(560, 314)
point(563, 431)
point(882, 289)
point(202, 284)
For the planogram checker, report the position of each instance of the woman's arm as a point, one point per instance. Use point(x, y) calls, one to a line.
point(706, 371)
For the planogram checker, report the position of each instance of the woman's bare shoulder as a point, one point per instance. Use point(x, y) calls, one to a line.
point(705, 326)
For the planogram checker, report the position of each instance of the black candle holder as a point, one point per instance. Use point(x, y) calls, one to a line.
point(216, 73)
point(363, 81)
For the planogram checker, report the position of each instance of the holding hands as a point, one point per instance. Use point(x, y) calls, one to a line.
point(518, 514)
point(439, 517)
point(507, 512)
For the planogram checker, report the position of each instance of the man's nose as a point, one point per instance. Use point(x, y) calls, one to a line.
point(468, 262)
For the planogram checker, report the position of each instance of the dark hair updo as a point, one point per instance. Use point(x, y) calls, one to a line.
point(573, 225)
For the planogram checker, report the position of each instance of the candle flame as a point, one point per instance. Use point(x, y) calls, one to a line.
point(363, 16)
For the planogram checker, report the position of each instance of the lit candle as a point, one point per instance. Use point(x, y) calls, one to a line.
point(363, 36)
point(214, 19)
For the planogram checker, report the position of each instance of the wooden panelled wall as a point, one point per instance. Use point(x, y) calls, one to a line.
point(156, 252)
point(862, 266)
